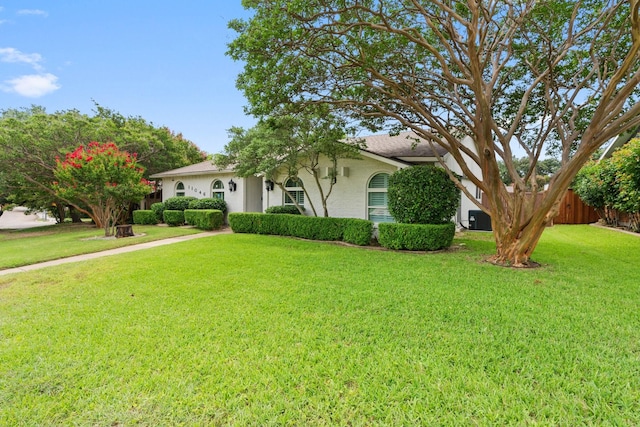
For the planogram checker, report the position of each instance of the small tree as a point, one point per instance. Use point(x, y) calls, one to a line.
point(595, 185)
point(422, 195)
point(101, 181)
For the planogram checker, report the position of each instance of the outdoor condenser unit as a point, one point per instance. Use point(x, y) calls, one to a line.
point(478, 220)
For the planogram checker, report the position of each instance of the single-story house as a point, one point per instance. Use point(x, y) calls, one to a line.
point(359, 191)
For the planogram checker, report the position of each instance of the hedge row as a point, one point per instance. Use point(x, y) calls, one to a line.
point(173, 218)
point(287, 209)
point(416, 237)
point(145, 217)
point(204, 219)
point(351, 230)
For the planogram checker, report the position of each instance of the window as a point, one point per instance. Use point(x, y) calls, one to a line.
point(294, 187)
point(478, 193)
point(217, 190)
point(180, 189)
point(377, 210)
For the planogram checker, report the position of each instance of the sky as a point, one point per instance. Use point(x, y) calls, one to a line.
point(161, 60)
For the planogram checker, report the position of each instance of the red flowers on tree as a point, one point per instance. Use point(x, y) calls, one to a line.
point(101, 181)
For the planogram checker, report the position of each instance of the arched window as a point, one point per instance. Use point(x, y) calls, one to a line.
point(377, 210)
point(217, 190)
point(294, 187)
point(179, 189)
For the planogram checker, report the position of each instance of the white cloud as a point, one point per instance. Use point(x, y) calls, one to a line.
point(9, 54)
point(33, 12)
point(32, 86)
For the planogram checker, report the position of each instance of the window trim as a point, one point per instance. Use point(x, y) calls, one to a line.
point(386, 216)
point(180, 192)
point(217, 193)
point(297, 191)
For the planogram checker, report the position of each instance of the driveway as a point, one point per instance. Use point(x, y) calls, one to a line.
point(17, 219)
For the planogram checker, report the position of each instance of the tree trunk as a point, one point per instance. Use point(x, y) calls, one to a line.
point(75, 215)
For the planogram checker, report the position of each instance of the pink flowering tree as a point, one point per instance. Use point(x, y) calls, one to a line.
point(101, 181)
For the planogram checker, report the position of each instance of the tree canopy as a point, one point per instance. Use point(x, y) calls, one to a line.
point(31, 139)
point(540, 76)
point(279, 147)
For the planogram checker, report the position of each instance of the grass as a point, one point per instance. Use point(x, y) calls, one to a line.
point(30, 246)
point(262, 330)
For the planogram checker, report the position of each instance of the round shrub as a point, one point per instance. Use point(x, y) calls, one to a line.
point(178, 203)
point(422, 195)
point(158, 209)
point(288, 209)
point(208, 203)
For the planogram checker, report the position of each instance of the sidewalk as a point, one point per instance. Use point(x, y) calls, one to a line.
point(116, 251)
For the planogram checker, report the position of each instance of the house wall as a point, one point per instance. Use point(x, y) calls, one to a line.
point(245, 199)
point(349, 196)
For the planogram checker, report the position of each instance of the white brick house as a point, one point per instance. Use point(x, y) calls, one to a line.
point(359, 191)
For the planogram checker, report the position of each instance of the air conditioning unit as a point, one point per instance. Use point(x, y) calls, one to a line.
point(478, 220)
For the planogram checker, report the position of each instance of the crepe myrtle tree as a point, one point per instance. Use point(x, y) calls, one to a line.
point(100, 181)
point(516, 76)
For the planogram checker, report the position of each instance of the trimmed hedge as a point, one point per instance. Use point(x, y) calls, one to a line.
point(145, 217)
point(208, 203)
point(416, 237)
point(173, 217)
point(204, 219)
point(288, 209)
point(178, 203)
point(158, 208)
point(356, 231)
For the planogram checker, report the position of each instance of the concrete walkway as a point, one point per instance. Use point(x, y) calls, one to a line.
point(116, 251)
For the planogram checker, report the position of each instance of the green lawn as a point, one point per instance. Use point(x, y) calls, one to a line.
point(261, 330)
point(23, 247)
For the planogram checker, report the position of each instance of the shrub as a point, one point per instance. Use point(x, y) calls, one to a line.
point(178, 203)
point(416, 237)
point(158, 208)
point(288, 209)
point(204, 219)
point(173, 217)
point(357, 231)
point(145, 217)
point(422, 195)
point(209, 203)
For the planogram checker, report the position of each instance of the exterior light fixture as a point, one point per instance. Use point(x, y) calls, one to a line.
point(232, 185)
point(268, 184)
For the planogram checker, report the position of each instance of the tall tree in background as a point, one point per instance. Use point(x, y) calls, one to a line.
point(528, 74)
point(31, 139)
point(280, 147)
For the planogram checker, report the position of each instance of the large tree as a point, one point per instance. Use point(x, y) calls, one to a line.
point(31, 139)
point(280, 147)
point(528, 75)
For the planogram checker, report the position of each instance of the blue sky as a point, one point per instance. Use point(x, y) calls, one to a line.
point(164, 61)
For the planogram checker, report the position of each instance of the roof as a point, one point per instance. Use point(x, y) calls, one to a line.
point(621, 140)
point(403, 145)
point(201, 168)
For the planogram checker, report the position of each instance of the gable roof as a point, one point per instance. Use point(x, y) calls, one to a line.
point(202, 168)
point(405, 145)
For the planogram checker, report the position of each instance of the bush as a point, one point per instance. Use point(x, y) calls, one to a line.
point(204, 219)
point(357, 231)
point(145, 217)
point(209, 203)
point(416, 237)
point(158, 208)
point(178, 203)
point(173, 217)
point(422, 195)
point(288, 209)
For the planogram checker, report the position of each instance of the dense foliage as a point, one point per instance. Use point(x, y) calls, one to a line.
point(422, 195)
point(180, 203)
point(350, 230)
point(416, 237)
point(287, 209)
point(101, 181)
point(209, 203)
point(204, 219)
point(31, 139)
point(158, 209)
point(145, 217)
point(173, 218)
point(613, 185)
